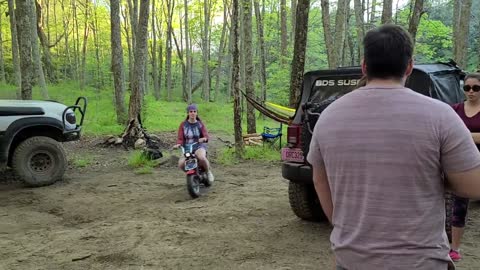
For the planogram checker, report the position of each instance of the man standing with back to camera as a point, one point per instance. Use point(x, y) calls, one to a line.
point(377, 156)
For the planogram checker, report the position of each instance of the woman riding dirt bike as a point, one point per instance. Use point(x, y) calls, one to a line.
point(193, 133)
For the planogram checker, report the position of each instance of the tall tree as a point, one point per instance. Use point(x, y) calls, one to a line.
point(24, 26)
point(221, 49)
point(327, 33)
point(2, 59)
point(248, 56)
point(188, 60)
point(293, 10)
point(83, 63)
point(340, 27)
point(461, 22)
point(359, 21)
point(45, 44)
point(298, 61)
point(283, 30)
point(15, 48)
point(387, 11)
point(117, 61)
point(206, 50)
point(237, 117)
point(168, 46)
point(37, 61)
point(156, 86)
point(261, 44)
point(138, 83)
point(415, 19)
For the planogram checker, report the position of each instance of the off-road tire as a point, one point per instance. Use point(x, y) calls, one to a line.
point(39, 161)
point(193, 186)
point(304, 202)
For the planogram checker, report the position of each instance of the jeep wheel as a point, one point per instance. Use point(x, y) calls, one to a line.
point(39, 161)
point(304, 202)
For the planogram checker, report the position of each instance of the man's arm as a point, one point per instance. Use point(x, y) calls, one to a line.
point(465, 184)
point(459, 156)
point(476, 137)
point(320, 180)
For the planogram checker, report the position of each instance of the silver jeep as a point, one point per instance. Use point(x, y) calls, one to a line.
point(31, 133)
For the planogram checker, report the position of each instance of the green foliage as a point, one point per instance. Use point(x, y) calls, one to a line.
point(227, 156)
point(433, 41)
point(81, 162)
point(138, 160)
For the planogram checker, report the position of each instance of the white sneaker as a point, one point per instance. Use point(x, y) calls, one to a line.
point(210, 176)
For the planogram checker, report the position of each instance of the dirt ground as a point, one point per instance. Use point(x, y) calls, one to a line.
point(104, 216)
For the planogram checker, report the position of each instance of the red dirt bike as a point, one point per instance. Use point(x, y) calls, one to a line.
point(196, 175)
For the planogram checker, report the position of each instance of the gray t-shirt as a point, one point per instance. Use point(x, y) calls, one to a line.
point(384, 150)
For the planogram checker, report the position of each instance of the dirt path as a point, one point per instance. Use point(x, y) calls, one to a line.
point(106, 217)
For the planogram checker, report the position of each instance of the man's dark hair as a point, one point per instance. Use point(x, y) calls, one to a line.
point(387, 52)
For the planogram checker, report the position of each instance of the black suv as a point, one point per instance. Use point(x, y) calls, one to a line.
point(441, 81)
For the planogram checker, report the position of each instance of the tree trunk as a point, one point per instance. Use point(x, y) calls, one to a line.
point(261, 44)
point(327, 33)
point(83, 65)
point(283, 31)
point(45, 42)
point(372, 15)
point(221, 51)
point(156, 88)
point(15, 49)
point(462, 11)
point(340, 26)
point(188, 60)
point(76, 40)
point(2, 60)
point(248, 52)
point(160, 48)
point(387, 12)
point(358, 6)
point(206, 50)
point(126, 30)
point(415, 19)
point(95, 30)
point(298, 62)
point(67, 72)
point(117, 62)
point(237, 117)
point(37, 61)
point(24, 26)
point(138, 83)
point(293, 10)
point(168, 45)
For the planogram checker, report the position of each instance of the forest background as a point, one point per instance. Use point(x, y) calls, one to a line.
point(150, 58)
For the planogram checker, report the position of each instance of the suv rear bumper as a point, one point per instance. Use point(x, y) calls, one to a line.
point(297, 172)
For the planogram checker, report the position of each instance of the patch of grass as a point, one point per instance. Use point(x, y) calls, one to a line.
point(82, 162)
point(138, 160)
point(226, 156)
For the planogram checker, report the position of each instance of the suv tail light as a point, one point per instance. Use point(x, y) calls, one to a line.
point(293, 136)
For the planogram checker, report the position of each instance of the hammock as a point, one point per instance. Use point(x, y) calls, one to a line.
point(282, 118)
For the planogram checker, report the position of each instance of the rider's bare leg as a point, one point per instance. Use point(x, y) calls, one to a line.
point(201, 154)
point(181, 163)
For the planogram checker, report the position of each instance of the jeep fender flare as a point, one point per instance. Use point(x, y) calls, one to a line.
point(17, 126)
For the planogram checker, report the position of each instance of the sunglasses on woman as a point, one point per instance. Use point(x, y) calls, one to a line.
point(475, 88)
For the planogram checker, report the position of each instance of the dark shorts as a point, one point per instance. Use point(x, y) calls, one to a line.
point(460, 209)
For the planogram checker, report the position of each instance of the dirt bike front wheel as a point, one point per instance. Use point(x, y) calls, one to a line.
point(193, 185)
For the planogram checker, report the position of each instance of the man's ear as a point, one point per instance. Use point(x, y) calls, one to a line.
point(364, 67)
point(409, 68)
